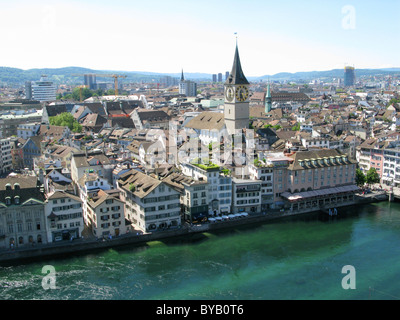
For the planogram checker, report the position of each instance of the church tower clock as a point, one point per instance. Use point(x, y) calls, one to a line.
point(236, 89)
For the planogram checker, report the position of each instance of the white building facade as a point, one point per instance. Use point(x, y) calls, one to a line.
point(5, 156)
point(64, 217)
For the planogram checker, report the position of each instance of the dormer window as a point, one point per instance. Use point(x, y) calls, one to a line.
point(8, 200)
point(16, 199)
point(16, 186)
point(8, 186)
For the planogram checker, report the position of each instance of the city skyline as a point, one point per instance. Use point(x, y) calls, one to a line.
point(166, 37)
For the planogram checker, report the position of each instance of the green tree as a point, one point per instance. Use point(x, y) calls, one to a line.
point(296, 127)
point(66, 119)
point(86, 93)
point(360, 178)
point(372, 176)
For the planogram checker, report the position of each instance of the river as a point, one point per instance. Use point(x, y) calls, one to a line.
point(291, 258)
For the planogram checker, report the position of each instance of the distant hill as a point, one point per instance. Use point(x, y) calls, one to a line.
point(335, 73)
point(65, 75)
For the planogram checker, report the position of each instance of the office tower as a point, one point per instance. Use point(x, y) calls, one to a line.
point(349, 76)
point(90, 81)
point(43, 90)
point(219, 77)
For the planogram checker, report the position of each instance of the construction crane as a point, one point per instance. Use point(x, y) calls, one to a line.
point(80, 91)
point(115, 76)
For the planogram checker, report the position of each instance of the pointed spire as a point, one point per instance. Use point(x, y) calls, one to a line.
point(236, 76)
point(268, 99)
point(182, 77)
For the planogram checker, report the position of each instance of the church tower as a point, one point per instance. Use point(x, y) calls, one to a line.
point(268, 100)
point(236, 89)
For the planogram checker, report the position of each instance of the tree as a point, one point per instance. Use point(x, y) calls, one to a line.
point(296, 127)
point(372, 176)
point(360, 178)
point(66, 119)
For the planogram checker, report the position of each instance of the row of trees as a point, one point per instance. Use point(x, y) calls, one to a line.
point(86, 93)
point(370, 177)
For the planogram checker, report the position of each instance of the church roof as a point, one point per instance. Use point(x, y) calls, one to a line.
point(207, 120)
point(236, 76)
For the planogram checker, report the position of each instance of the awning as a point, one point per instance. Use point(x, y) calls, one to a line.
point(319, 193)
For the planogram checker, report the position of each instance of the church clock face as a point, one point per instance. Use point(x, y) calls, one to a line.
point(229, 94)
point(242, 93)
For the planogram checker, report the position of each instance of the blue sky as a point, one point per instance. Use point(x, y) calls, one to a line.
point(198, 36)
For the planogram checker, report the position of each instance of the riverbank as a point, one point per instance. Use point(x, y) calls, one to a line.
point(83, 246)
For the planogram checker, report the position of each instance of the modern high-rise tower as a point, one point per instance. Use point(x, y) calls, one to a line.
point(43, 90)
point(349, 76)
point(236, 108)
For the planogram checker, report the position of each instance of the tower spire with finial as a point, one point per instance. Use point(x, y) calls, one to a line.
point(268, 99)
point(182, 77)
point(236, 76)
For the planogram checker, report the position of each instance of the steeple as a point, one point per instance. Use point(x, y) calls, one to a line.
point(182, 77)
point(268, 100)
point(236, 76)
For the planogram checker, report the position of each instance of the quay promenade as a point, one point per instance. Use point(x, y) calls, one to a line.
point(90, 245)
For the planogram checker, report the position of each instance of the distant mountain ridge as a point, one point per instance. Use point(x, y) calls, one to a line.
point(64, 75)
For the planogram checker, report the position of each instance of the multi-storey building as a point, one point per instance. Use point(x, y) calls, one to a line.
point(43, 90)
point(391, 165)
point(64, 216)
point(89, 185)
point(22, 217)
point(264, 173)
point(5, 156)
point(219, 186)
point(370, 154)
point(95, 161)
point(9, 123)
point(31, 150)
point(319, 178)
point(150, 204)
point(106, 214)
point(194, 196)
point(246, 195)
point(27, 130)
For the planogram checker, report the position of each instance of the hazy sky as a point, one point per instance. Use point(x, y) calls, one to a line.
point(198, 36)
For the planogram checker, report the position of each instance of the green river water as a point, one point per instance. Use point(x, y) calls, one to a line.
point(291, 258)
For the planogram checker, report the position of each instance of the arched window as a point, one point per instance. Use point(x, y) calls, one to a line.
point(16, 186)
point(21, 240)
point(39, 238)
